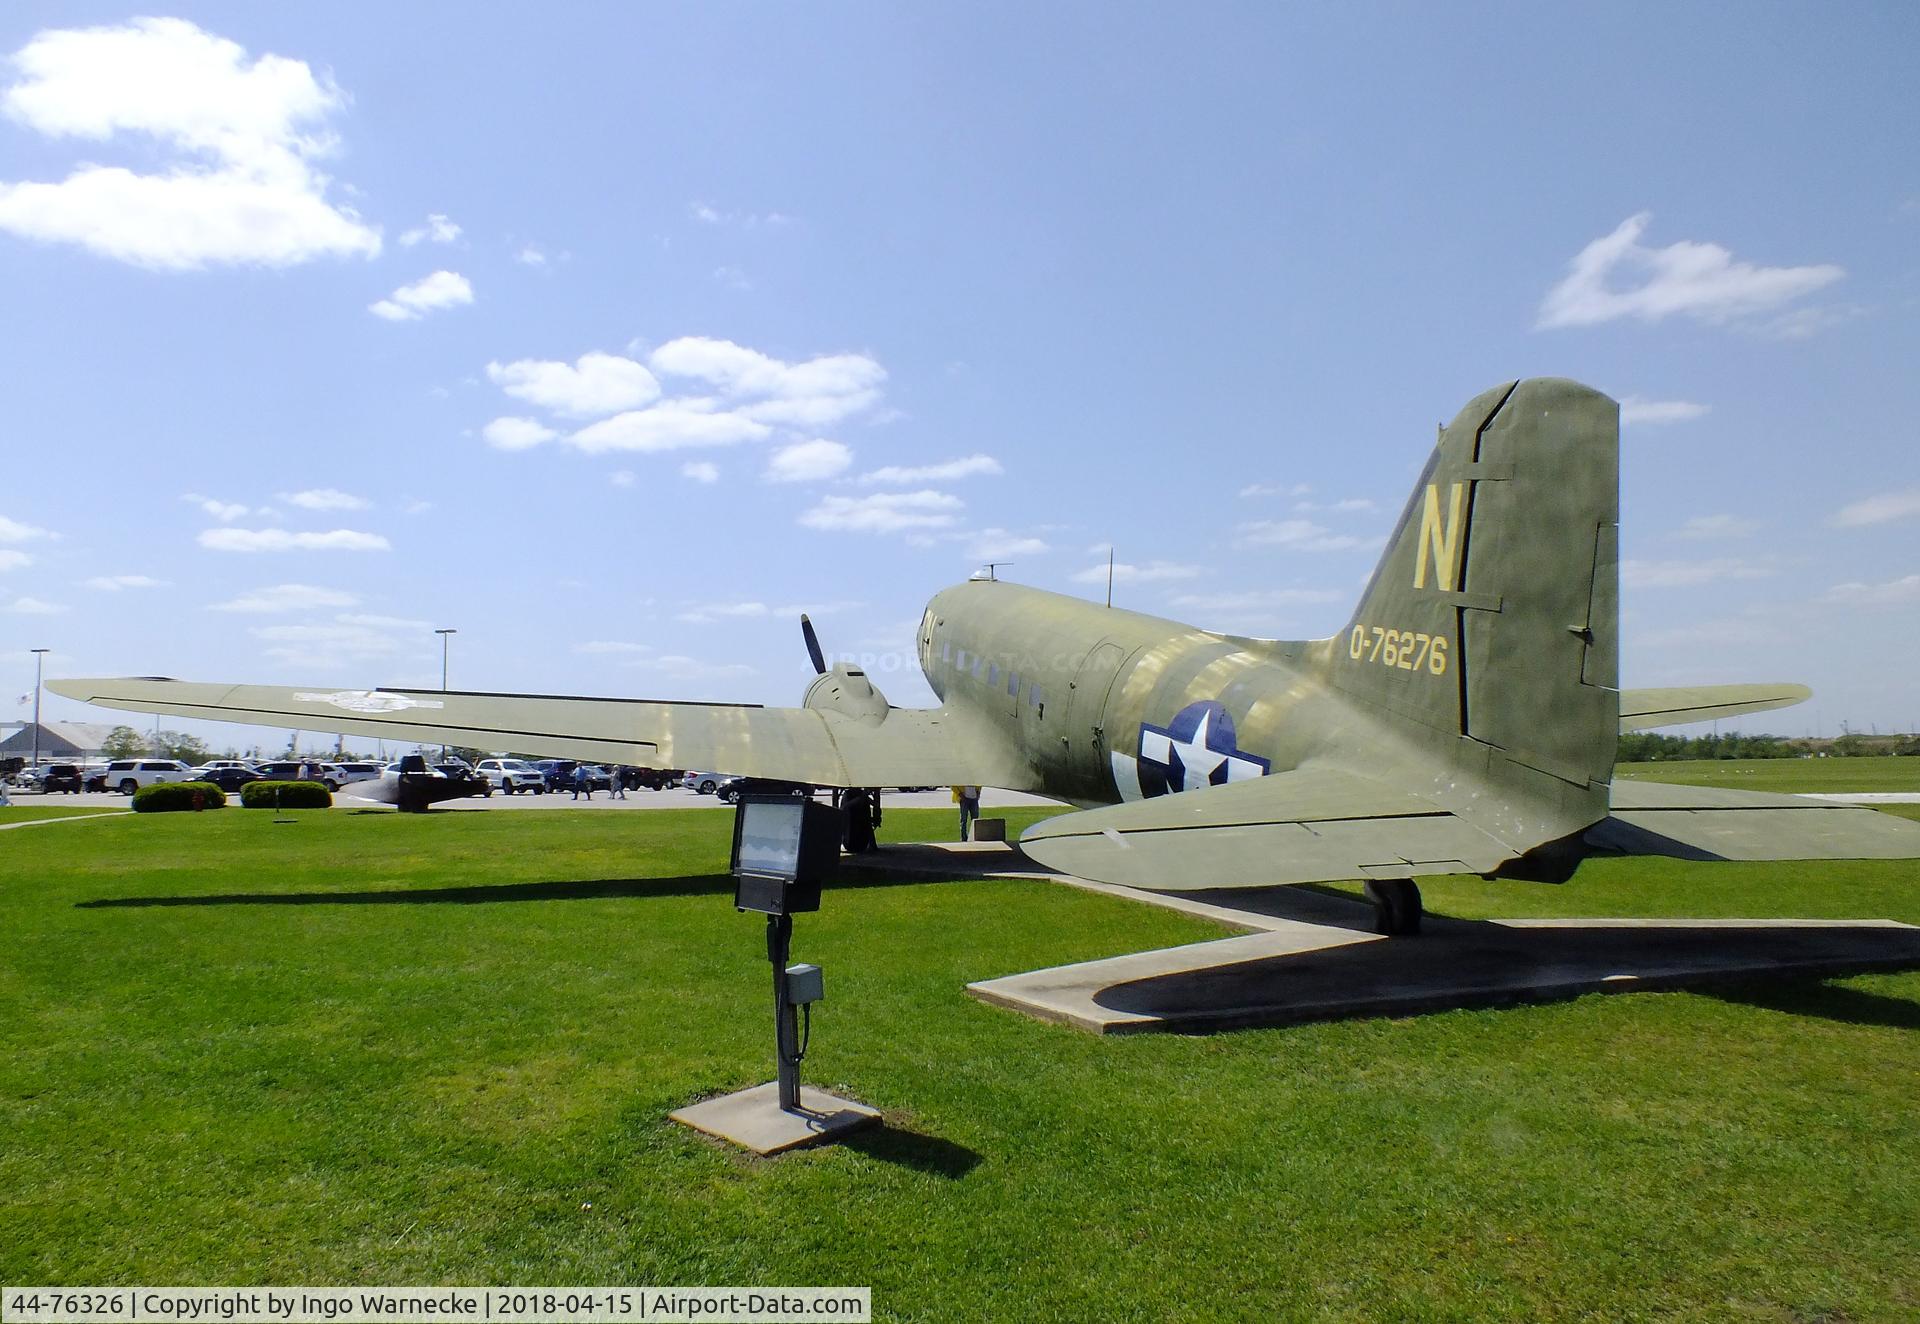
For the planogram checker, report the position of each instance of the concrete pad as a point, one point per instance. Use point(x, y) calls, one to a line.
point(1303, 972)
point(753, 1119)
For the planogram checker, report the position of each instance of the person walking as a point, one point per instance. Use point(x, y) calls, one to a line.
point(968, 798)
point(582, 781)
point(617, 788)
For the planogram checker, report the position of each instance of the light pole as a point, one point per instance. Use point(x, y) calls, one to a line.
point(39, 658)
point(444, 642)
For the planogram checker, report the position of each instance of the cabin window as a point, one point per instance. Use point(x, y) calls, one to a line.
point(946, 650)
point(960, 659)
point(1036, 697)
point(993, 673)
point(1013, 684)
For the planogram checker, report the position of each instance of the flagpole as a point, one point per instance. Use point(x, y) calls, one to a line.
point(39, 656)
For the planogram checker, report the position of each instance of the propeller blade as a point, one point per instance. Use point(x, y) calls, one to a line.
point(813, 646)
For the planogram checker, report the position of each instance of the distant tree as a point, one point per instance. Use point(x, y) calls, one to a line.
point(123, 742)
point(466, 753)
point(179, 745)
point(1850, 745)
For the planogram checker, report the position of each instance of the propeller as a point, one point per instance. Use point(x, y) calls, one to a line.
point(813, 645)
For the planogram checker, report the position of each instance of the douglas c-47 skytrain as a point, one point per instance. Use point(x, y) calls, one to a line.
point(1464, 721)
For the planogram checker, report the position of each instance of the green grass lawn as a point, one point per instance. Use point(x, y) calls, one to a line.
point(368, 1047)
point(28, 812)
point(1879, 773)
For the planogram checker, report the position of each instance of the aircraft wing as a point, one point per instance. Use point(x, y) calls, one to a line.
point(1705, 823)
point(1640, 709)
point(909, 747)
point(1308, 825)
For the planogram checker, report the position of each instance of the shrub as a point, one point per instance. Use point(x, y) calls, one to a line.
point(172, 797)
point(285, 795)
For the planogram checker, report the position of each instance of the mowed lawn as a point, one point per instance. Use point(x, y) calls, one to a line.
point(1879, 773)
point(374, 1048)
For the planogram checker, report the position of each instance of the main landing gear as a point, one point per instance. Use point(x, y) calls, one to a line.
point(1396, 906)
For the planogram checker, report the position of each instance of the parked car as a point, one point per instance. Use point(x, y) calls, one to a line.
point(706, 782)
point(289, 770)
point(512, 775)
point(59, 779)
point(462, 775)
point(351, 773)
point(129, 775)
point(212, 764)
point(228, 777)
point(560, 775)
point(734, 787)
point(653, 779)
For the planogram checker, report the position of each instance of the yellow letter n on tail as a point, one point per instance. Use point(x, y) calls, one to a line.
point(1439, 542)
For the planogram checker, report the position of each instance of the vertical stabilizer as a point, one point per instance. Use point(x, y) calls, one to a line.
point(1494, 613)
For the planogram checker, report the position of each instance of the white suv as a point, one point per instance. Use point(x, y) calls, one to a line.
point(511, 775)
point(129, 775)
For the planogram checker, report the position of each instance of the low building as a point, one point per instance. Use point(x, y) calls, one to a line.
point(66, 741)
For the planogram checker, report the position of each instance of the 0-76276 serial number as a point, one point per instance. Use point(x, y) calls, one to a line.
point(1408, 650)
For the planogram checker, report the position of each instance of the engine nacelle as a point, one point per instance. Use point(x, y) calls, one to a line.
point(845, 689)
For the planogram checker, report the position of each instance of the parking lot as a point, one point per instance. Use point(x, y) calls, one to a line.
point(677, 798)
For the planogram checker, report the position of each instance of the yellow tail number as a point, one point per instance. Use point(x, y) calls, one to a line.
point(1440, 542)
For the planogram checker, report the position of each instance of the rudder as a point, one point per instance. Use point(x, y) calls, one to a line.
point(1494, 612)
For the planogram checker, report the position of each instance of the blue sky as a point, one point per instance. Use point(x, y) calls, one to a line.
point(614, 335)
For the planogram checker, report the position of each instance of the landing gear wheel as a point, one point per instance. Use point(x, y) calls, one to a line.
point(1396, 906)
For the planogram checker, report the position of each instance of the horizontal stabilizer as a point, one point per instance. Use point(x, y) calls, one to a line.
point(910, 747)
point(1640, 709)
point(1309, 825)
point(1705, 823)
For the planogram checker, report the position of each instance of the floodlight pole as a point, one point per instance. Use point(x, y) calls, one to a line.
point(785, 1033)
point(444, 641)
point(39, 657)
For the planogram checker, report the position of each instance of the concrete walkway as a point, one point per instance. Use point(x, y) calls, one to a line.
point(64, 818)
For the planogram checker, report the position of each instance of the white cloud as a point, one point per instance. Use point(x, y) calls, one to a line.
point(12, 560)
point(1276, 489)
point(884, 512)
point(14, 531)
point(1891, 593)
point(593, 385)
point(611, 646)
point(438, 229)
point(670, 425)
point(516, 434)
point(1702, 281)
point(817, 393)
point(1348, 506)
point(622, 478)
point(1258, 599)
point(1879, 509)
point(442, 289)
point(700, 471)
point(532, 256)
point(224, 511)
point(1004, 545)
point(680, 667)
point(733, 278)
point(707, 613)
point(707, 214)
point(1634, 409)
point(345, 640)
point(1298, 534)
point(115, 583)
point(282, 540)
point(325, 498)
point(1153, 572)
point(286, 597)
point(808, 461)
point(242, 135)
point(1688, 574)
point(943, 472)
point(1705, 527)
point(35, 607)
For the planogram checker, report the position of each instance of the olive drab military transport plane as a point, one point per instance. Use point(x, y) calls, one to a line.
point(1464, 721)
